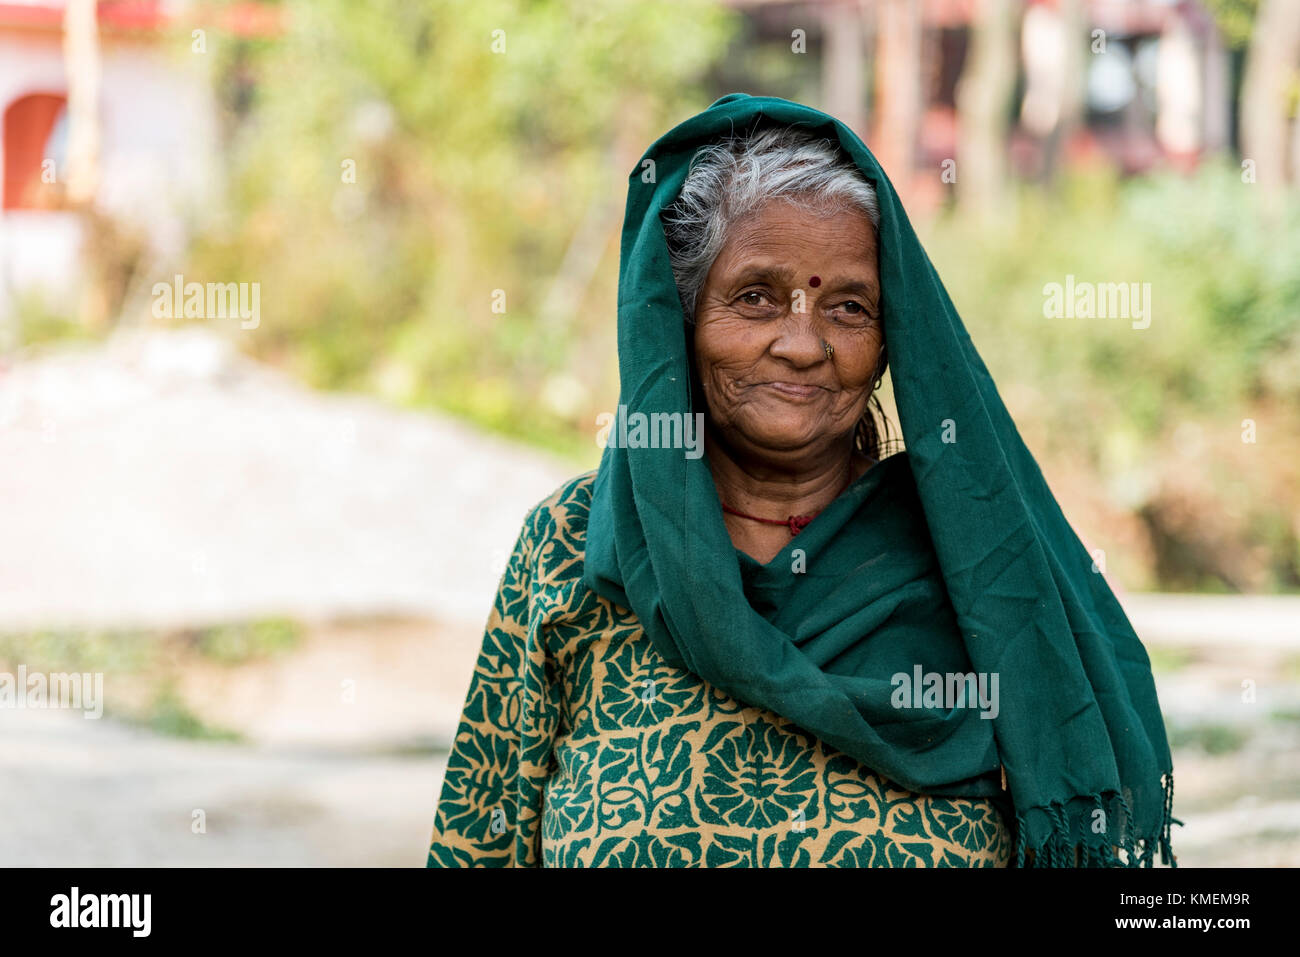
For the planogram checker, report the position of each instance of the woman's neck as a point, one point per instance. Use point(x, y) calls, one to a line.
point(761, 490)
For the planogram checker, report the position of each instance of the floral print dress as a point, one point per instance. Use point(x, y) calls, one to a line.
point(579, 746)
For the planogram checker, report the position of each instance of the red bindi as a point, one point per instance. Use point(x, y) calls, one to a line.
point(815, 281)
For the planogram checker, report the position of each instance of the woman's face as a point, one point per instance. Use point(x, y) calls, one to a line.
point(787, 280)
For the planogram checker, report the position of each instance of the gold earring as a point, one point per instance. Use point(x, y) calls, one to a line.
point(829, 349)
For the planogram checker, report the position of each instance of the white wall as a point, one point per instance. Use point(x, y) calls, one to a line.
point(158, 160)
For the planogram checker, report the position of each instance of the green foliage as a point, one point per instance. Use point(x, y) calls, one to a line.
point(150, 661)
point(1289, 668)
point(240, 643)
point(1225, 324)
point(39, 324)
point(1212, 738)
point(1166, 658)
point(121, 652)
point(169, 715)
point(1124, 403)
point(474, 170)
point(1236, 20)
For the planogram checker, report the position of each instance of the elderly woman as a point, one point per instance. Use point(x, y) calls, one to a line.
point(796, 649)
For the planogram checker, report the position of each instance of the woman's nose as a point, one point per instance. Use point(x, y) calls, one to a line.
point(797, 341)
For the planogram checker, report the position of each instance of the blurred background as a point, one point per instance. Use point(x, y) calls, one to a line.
point(237, 500)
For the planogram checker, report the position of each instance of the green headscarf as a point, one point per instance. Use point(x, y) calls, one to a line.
point(950, 558)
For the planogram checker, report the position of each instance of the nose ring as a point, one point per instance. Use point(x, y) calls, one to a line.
point(829, 349)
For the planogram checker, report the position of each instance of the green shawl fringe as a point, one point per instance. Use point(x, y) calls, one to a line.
point(1072, 844)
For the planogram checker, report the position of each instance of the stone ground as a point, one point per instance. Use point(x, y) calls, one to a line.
point(166, 482)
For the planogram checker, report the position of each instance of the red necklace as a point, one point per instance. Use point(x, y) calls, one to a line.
point(796, 523)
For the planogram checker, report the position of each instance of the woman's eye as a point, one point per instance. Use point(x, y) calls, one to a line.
point(855, 309)
point(755, 300)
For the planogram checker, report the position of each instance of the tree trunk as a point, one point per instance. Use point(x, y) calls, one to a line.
point(1075, 69)
point(898, 85)
point(844, 64)
point(983, 96)
point(81, 65)
point(1271, 65)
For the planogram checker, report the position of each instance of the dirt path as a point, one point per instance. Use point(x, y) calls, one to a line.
point(90, 793)
point(166, 480)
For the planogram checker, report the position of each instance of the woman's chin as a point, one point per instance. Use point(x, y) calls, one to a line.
point(777, 441)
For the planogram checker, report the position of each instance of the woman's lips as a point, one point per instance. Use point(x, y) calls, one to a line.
point(794, 390)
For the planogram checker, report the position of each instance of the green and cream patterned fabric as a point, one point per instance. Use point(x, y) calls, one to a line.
point(580, 747)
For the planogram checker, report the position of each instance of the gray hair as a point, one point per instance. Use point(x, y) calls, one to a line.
point(732, 178)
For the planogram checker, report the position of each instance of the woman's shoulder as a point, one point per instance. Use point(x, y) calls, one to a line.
point(566, 508)
point(574, 492)
point(555, 529)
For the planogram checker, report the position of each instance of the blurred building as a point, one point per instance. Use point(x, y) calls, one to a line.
point(1156, 83)
point(153, 147)
point(1135, 83)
